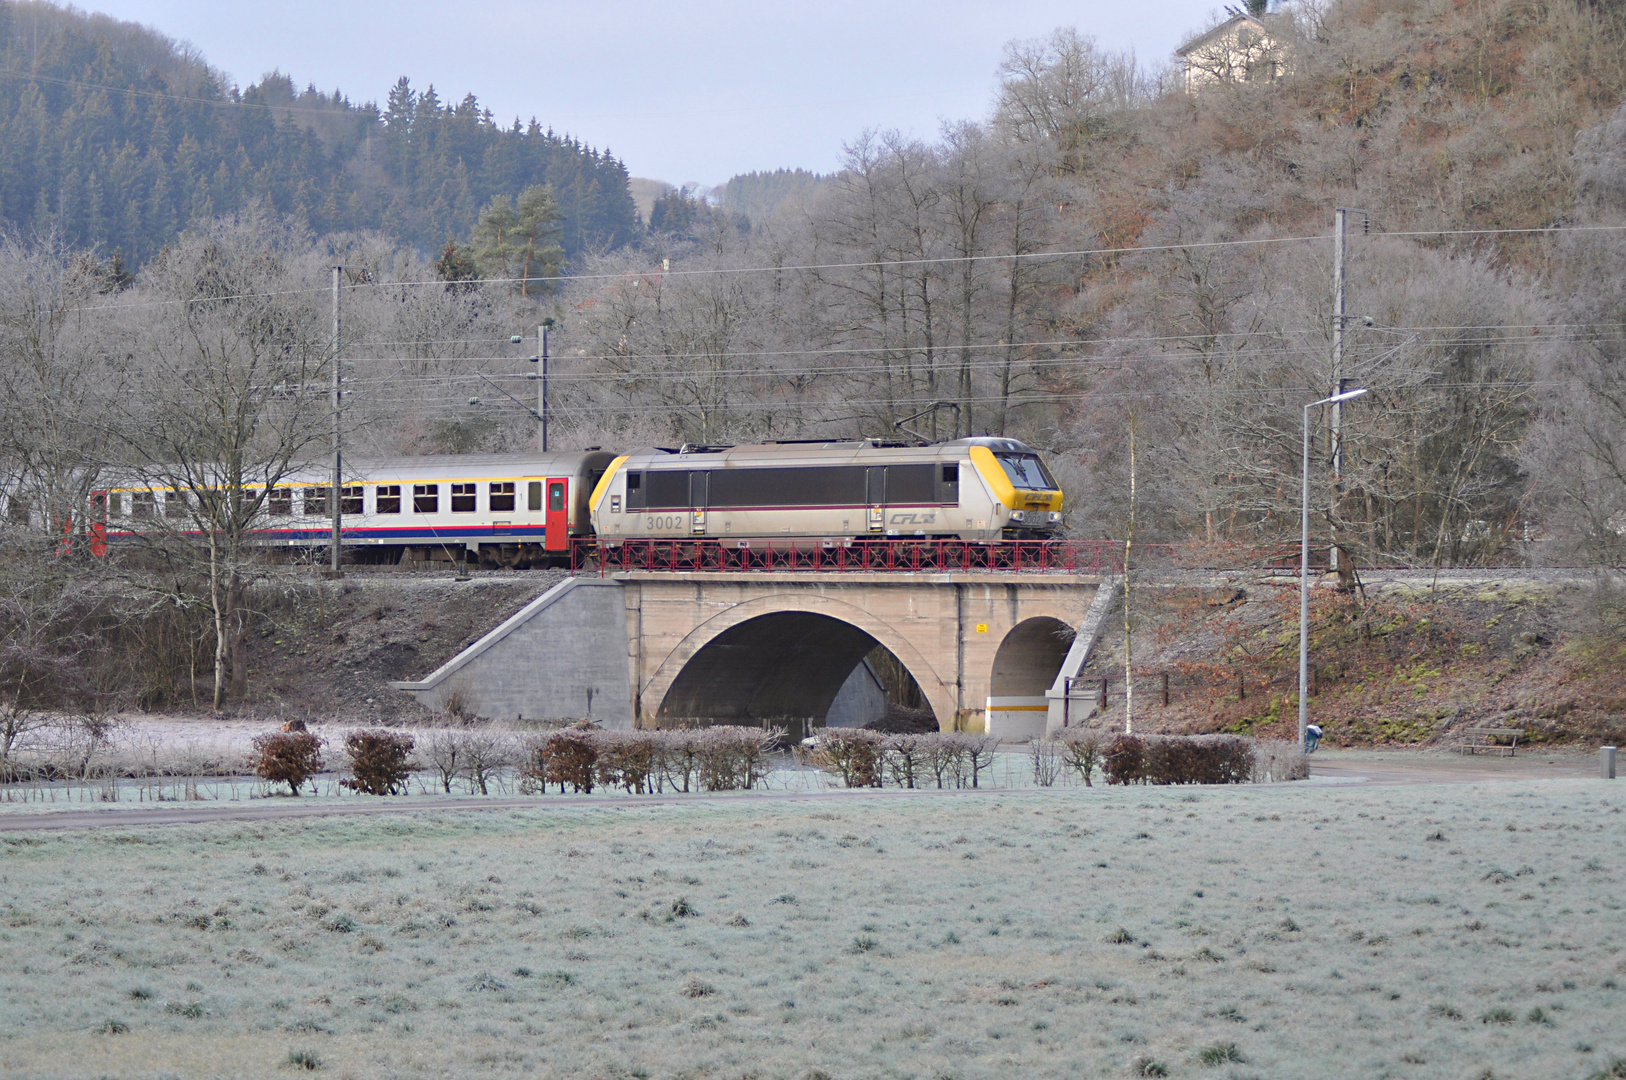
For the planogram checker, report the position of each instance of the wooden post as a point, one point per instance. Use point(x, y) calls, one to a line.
point(1103, 694)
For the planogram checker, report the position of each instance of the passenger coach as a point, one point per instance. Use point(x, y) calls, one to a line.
point(978, 489)
point(504, 509)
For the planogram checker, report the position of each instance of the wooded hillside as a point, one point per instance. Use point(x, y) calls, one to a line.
point(116, 137)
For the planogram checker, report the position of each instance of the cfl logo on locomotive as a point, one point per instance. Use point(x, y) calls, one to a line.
point(913, 519)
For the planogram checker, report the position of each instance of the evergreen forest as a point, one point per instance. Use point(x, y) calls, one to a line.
point(113, 136)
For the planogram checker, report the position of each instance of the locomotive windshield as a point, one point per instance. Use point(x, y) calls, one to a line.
point(1027, 471)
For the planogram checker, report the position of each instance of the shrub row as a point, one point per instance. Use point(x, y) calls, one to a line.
point(721, 758)
point(1166, 759)
point(726, 758)
point(681, 759)
point(863, 758)
point(1178, 759)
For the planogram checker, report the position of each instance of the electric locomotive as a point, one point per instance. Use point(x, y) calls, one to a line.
point(802, 493)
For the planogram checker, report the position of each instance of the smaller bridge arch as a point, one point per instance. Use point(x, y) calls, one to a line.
point(1029, 658)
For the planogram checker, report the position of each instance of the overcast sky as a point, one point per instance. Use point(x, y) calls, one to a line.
point(680, 91)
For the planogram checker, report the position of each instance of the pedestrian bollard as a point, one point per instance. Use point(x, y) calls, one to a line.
point(1606, 762)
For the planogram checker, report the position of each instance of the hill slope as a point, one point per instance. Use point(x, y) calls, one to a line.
point(115, 135)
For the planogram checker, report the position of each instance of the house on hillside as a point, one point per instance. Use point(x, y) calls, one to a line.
point(1240, 49)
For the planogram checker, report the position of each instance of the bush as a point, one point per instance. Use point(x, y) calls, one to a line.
point(629, 760)
point(379, 761)
point(286, 757)
point(734, 758)
point(853, 754)
point(1081, 751)
point(565, 757)
point(1178, 759)
point(1278, 761)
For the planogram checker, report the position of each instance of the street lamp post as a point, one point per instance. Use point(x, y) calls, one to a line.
point(1304, 564)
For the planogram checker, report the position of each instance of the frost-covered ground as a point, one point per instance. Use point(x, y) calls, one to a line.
point(1298, 930)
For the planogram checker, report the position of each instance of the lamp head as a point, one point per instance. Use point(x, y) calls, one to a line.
point(1347, 395)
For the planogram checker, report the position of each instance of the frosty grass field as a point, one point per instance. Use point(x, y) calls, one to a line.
point(1301, 930)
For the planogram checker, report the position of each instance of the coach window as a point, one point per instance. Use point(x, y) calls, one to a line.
point(463, 498)
point(388, 500)
point(174, 504)
point(141, 504)
point(502, 497)
point(350, 499)
point(425, 498)
point(316, 502)
point(556, 496)
point(533, 495)
point(280, 502)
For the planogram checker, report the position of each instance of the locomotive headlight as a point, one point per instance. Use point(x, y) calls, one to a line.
point(1055, 517)
point(1017, 515)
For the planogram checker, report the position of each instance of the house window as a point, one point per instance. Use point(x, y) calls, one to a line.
point(425, 498)
point(280, 502)
point(463, 498)
point(389, 499)
point(502, 497)
point(350, 500)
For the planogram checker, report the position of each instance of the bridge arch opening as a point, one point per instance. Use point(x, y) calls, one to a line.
point(789, 668)
point(1026, 665)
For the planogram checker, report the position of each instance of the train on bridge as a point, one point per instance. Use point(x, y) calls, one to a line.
point(531, 510)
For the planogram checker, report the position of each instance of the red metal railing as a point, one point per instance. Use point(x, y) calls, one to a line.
point(859, 556)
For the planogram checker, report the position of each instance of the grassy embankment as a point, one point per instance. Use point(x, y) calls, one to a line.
point(1400, 663)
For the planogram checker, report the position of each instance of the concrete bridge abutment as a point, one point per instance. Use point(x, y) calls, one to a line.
point(985, 649)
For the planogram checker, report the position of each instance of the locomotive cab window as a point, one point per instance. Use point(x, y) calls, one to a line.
point(1027, 471)
point(388, 499)
point(533, 495)
point(635, 491)
point(463, 498)
point(425, 498)
point(502, 497)
point(949, 484)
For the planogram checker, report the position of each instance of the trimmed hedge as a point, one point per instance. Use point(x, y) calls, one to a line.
point(381, 762)
point(1178, 759)
point(719, 758)
point(864, 758)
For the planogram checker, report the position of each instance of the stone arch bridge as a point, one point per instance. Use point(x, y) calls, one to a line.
point(989, 651)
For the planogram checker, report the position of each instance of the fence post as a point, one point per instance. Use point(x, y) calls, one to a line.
point(1103, 695)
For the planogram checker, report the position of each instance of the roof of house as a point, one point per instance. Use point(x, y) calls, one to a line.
point(1236, 20)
